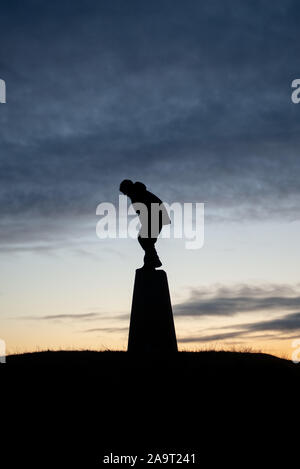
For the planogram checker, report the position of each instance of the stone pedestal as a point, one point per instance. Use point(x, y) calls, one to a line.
point(151, 323)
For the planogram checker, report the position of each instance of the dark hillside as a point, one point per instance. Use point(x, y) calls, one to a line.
point(83, 405)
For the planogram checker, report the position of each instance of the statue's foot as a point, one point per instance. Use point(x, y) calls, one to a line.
point(152, 264)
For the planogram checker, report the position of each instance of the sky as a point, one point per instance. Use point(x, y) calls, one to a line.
point(192, 98)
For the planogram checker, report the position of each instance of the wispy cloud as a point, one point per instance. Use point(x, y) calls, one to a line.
point(210, 338)
point(287, 323)
point(107, 329)
point(286, 327)
point(230, 301)
point(222, 301)
point(54, 317)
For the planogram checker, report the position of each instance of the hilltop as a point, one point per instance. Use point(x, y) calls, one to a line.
point(181, 371)
point(94, 403)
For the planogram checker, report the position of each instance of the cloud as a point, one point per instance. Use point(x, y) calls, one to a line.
point(210, 338)
point(281, 300)
point(107, 329)
point(52, 317)
point(198, 95)
point(287, 323)
point(286, 327)
point(225, 301)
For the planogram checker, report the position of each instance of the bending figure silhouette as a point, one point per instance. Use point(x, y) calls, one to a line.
point(153, 216)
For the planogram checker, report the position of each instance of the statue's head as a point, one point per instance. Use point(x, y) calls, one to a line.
point(126, 186)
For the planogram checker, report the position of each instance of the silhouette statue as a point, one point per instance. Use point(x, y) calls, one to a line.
point(153, 216)
point(151, 322)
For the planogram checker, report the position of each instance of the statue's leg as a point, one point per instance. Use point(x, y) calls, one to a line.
point(151, 258)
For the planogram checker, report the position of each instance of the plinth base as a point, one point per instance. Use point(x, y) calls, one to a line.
point(151, 323)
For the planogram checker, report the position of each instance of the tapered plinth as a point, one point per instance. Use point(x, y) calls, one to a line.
point(151, 323)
